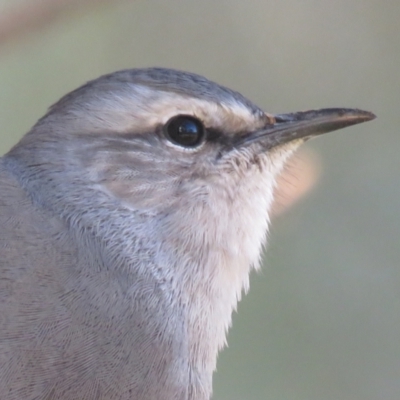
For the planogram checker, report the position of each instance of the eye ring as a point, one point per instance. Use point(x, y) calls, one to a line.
point(185, 131)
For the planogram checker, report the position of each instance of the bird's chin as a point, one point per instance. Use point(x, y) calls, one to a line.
point(278, 155)
point(289, 147)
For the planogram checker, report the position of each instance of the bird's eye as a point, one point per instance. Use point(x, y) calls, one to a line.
point(185, 131)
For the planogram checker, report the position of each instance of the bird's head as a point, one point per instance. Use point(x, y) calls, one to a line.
point(151, 137)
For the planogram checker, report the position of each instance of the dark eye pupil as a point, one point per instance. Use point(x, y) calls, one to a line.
point(185, 131)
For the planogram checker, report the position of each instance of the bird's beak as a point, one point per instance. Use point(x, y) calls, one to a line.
point(285, 128)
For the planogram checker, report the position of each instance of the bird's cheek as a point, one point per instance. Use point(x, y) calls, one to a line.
point(140, 195)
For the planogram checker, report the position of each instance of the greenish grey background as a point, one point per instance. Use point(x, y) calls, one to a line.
point(322, 319)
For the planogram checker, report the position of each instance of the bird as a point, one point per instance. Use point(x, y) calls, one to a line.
point(131, 215)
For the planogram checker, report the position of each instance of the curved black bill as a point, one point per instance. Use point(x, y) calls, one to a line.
point(305, 124)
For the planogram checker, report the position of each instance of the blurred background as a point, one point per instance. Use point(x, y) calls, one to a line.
point(322, 319)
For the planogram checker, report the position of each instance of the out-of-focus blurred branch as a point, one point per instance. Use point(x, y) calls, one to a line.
point(20, 21)
point(300, 175)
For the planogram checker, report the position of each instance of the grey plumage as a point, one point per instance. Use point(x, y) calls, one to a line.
point(123, 254)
